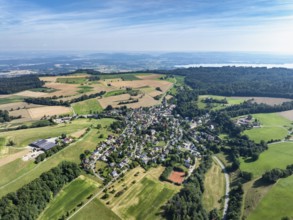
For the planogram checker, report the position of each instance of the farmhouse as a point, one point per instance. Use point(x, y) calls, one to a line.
point(43, 144)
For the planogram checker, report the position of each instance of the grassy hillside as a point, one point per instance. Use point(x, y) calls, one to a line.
point(24, 137)
point(95, 210)
point(87, 107)
point(273, 126)
point(71, 196)
point(277, 156)
point(18, 173)
point(277, 203)
point(214, 188)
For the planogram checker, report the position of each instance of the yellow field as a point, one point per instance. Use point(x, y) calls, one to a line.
point(38, 113)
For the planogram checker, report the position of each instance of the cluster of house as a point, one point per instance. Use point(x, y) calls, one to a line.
point(149, 136)
point(248, 121)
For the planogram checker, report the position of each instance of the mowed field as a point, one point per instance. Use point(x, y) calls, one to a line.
point(145, 197)
point(214, 184)
point(69, 198)
point(96, 210)
point(265, 100)
point(230, 100)
point(87, 107)
point(18, 173)
point(273, 126)
point(277, 203)
point(277, 156)
point(24, 137)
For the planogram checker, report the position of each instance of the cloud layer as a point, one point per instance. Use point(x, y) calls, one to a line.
point(153, 25)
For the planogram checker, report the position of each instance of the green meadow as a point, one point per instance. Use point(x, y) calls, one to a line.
point(273, 126)
point(70, 196)
point(277, 156)
point(87, 107)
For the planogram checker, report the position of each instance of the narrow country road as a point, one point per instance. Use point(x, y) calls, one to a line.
point(227, 190)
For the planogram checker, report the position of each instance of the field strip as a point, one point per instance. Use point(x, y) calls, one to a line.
point(1, 187)
point(227, 190)
point(95, 196)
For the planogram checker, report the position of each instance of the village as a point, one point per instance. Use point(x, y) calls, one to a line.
point(151, 136)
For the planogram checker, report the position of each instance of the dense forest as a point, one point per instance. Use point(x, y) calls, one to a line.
point(187, 204)
point(20, 83)
point(239, 81)
point(30, 200)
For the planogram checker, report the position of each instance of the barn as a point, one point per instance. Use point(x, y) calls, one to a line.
point(43, 144)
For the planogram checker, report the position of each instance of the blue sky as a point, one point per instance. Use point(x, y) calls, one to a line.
point(150, 25)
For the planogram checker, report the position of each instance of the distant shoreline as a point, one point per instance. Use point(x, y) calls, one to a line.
point(285, 65)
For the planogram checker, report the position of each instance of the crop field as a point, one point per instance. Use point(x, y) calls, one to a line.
point(38, 113)
point(17, 106)
point(287, 114)
point(85, 89)
point(273, 126)
point(265, 100)
point(145, 200)
point(121, 76)
point(214, 184)
point(72, 80)
point(10, 99)
point(24, 137)
point(69, 197)
point(217, 106)
point(164, 85)
point(277, 156)
point(149, 76)
point(62, 89)
point(144, 195)
point(115, 92)
point(18, 173)
point(87, 107)
point(94, 209)
point(277, 203)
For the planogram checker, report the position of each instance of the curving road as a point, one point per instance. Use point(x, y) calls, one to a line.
point(227, 190)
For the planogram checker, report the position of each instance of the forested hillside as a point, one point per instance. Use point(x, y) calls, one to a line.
point(239, 81)
point(17, 84)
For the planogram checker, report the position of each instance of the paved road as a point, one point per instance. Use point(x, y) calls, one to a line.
point(227, 186)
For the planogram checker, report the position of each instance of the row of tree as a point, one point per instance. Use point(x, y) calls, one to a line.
point(273, 175)
point(52, 102)
point(31, 199)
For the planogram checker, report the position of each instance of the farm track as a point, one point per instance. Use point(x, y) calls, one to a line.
point(227, 190)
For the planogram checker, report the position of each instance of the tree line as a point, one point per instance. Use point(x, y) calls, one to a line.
point(31, 199)
point(19, 83)
point(273, 175)
point(52, 102)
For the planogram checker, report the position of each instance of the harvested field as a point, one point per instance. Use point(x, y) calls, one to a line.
point(9, 158)
point(25, 115)
point(164, 85)
point(113, 100)
point(54, 78)
point(17, 105)
point(63, 89)
point(38, 113)
point(177, 177)
point(168, 97)
point(79, 133)
point(28, 93)
point(145, 101)
point(265, 100)
point(287, 114)
point(149, 76)
point(155, 93)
